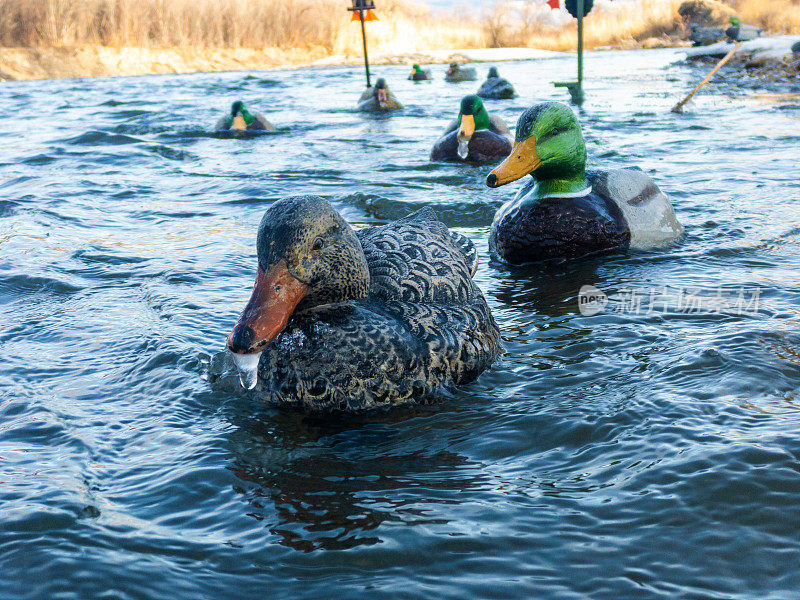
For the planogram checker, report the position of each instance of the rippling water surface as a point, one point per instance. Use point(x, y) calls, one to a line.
point(630, 454)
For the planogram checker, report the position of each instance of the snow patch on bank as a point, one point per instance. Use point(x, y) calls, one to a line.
point(775, 47)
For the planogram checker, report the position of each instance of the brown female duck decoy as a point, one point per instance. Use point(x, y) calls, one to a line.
point(475, 136)
point(456, 73)
point(243, 119)
point(353, 320)
point(378, 98)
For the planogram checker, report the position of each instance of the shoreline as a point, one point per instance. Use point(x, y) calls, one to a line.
point(769, 58)
point(62, 62)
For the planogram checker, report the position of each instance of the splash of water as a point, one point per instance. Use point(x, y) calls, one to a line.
point(247, 365)
point(463, 149)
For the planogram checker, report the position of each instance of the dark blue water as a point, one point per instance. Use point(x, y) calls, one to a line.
point(630, 454)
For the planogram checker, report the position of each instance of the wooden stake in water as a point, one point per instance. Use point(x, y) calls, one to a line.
point(678, 108)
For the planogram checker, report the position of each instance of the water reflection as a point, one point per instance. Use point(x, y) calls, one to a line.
point(331, 485)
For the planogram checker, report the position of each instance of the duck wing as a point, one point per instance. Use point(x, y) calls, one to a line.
point(418, 259)
point(498, 125)
point(223, 124)
point(359, 356)
point(261, 123)
point(647, 210)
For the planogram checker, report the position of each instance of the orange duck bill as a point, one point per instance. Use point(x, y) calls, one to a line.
point(276, 294)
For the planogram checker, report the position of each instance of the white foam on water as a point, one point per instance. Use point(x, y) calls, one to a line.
point(247, 364)
point(463, 149)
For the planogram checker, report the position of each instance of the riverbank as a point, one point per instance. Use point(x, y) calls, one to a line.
point(768, 58)
point(102, 61)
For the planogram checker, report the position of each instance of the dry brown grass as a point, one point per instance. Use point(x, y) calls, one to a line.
point(775, 16)
point(224, 24)
point(607, 25)
point(323, 26)
point(170, 23)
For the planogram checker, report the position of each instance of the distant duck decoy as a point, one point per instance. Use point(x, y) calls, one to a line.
point(495, 87)
point(243, 119)
point(796, 48)
point(353, 320)
point(564, 212)
point(705, 36)
point(378, 98)
point(418, 74)
point(739, 32)
point(456, 73)
point(475, 136)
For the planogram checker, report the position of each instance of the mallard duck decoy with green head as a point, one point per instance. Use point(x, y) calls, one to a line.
point(243, 119)
point(495, 87)
point(456, 73)
point(418, 74)
point(353, 320)
point(564, 212)
point(739, 32)
point(474, 136)
point(378, 98)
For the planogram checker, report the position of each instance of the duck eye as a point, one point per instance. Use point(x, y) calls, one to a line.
point(318, 244)
point(553, 133)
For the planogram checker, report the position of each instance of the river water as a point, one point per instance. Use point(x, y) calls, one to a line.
point(648, 451)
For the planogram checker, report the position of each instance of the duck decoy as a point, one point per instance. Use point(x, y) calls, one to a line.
point(353, 320)
point(243, 119)
point(495, 87)
point(456, 73)
point(739, 32)
point(705, 36)
point(418, 74)
point(474, 136)
point(378, 98)
point(564, 212)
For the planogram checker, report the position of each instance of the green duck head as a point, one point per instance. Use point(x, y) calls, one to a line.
point(415, 68)
point(240, 117)
point(493, 74)
point(472, 117)
point(308, 256)
point(735, 21)
point(549, 146)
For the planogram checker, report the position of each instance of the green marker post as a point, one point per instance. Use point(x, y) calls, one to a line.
point(577, 95)
point(575, 88)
